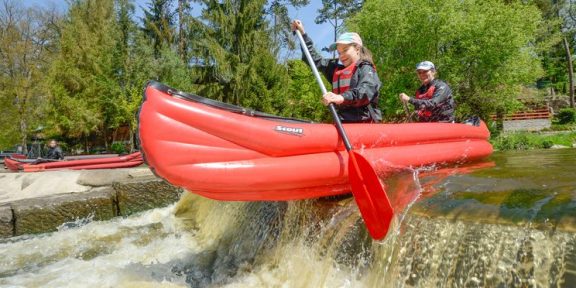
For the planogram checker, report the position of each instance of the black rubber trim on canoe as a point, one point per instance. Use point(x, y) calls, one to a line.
point(34, 161)
point(220, 105)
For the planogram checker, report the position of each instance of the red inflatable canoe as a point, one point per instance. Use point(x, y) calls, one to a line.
point(227, 152)
point(78, 163)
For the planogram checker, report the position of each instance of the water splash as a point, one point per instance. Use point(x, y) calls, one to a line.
point(481, 229)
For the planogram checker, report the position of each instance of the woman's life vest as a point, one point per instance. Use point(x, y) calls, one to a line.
point(342, 78)
point(341, 81)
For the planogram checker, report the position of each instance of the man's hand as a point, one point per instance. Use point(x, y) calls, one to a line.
point(405, 98)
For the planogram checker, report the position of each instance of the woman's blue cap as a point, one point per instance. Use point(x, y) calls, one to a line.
point(347, 38)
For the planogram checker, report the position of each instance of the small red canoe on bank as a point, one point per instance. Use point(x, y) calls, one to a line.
point(79, 163)
point(227, 152)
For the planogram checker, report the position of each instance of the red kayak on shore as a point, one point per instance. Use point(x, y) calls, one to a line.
point(75, 163)
point(11, 155)
point(226, 152)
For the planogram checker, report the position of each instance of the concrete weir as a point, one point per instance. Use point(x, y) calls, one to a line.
point(32, 203)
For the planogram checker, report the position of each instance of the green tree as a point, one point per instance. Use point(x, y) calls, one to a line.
point(84, 86)
point(303, 97)
point(336, 11)
point(184, 10)
point(484, 49)
point(133, 65)
point(278, 11)
point(236, 57)
point(25, 53)
point(557, 55)
point(159, 24)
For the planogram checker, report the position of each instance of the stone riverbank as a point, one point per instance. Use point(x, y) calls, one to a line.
point(41, 202)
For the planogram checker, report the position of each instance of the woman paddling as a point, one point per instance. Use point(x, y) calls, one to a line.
point(355, 83)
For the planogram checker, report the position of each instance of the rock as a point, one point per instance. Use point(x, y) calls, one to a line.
point(18, 186)
point(44, 201)
point(98, 178)
point(138, 196)
point(107, 177)
point(39, 215)
point(141, 172)
point(6, 222)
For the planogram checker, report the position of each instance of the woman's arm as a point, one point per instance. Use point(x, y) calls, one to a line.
point(325, 66)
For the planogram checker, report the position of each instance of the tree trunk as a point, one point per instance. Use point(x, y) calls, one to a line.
point(500, 119)
point(335, 30)
point(114, 135)
point(105, 132)
point(570, 71)
point(181, 28)
point(86, 149)
point(132, 147)
point(23, 134)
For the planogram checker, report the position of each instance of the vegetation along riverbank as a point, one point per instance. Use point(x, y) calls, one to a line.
point(560, 134)
point(534, 140)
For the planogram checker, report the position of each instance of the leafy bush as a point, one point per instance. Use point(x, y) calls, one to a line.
point(566, 116)
point(547, 143)
point(479, 47)
point(118, 147)
point(528, 140)
point(560, 127)
point(516, 141)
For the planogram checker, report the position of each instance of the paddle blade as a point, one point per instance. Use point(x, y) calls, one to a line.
point(370, 196)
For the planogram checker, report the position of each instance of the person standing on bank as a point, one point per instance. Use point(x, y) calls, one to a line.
point(433, 100)
point(355, 84)
point(54, 151)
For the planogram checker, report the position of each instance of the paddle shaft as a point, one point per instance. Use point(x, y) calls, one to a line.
point(331, 106)
point(408, 116)
point(368, 192)
point(406, 109)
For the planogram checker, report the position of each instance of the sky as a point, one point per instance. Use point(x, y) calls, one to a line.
point(321, 34)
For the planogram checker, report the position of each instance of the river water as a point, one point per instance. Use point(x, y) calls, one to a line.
point(509, 221)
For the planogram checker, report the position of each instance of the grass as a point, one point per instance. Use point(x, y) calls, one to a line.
point(533, 140)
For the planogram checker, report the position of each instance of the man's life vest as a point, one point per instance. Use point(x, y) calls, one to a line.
point(423, 112)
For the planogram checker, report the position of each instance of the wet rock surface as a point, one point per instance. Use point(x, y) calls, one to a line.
point(39, 215)
point(6, 221)
point(32, 203)
point(136, 196)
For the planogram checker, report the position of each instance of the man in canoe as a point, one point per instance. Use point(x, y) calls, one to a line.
point(355, 83)
point(433, 101)
point(54, 151)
